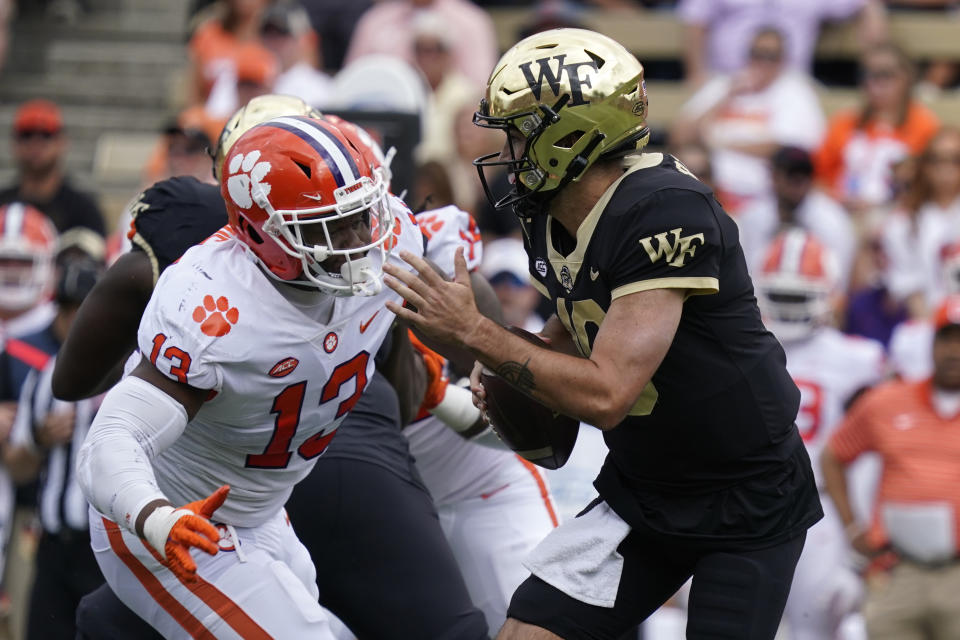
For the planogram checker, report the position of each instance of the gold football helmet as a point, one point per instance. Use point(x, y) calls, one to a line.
point(575, 96)
point(259, 109)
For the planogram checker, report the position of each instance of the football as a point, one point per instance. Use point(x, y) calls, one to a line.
point(535, 432)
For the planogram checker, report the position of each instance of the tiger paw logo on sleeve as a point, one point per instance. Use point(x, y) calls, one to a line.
point(216, 317)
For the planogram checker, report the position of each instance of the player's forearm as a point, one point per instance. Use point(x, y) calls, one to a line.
point(835, 479)
point(136, 422)
point(578, 387)
point(404, 370)
point(104, 331)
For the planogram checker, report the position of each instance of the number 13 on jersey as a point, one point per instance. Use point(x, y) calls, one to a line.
point(287, 406)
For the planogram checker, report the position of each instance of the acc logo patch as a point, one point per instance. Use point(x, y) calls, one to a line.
point(283, 368)
point(330, 342)
point(240, 185)
point(541, 266)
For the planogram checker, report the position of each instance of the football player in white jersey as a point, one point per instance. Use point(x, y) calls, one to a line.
point(797, 281)
point(256, 344)
point(494, 506)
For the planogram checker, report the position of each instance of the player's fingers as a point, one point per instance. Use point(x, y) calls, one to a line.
point(411, 280)
point(405, 292)
point(461, 274)
point(214, 502)
point(407, 315)
point(427, 273)
point(180, 562)
point(194, 531)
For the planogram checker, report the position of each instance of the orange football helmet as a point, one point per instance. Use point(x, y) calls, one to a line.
point(796, 283)
point(28, 242)
point(370, 150)
point(300, 195)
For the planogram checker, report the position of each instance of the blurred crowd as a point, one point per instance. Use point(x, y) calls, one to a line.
point(877, 187)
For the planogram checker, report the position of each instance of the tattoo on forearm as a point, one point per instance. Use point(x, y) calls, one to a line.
point(517, 374)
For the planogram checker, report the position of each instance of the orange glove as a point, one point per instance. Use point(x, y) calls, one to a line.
point(175, 531)
point(436, 381)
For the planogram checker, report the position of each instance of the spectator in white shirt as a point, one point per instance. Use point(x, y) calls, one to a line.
point(717, 31)
point(744, 117)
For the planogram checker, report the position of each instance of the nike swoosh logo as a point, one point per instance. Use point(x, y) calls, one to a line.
point(594, 273)
point(364, 325)
point(487, 496)
point(317, 197)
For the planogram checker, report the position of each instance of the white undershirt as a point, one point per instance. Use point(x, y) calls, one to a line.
point(946, 403)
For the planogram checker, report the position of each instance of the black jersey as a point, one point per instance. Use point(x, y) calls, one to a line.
point(173, 215)
point(719, 411)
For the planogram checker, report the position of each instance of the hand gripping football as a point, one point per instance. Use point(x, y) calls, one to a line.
point(536, 432)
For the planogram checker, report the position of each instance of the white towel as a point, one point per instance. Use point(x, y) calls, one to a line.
point(580, 556)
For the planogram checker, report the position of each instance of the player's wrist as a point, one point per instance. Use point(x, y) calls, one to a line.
point(853, 530)
point(481, 334)
point(157, 525)
point(148, 510)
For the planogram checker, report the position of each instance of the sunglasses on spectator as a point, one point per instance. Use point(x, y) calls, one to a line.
point(760, 54)
point(879, 75)
point(23, 136)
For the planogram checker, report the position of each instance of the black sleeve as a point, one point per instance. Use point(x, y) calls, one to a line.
point(172, 216)
point(670, 240)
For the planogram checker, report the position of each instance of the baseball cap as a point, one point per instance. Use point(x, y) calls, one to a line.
point(38, 115)
point(255, 67)
point(505, 256)
point(792, 160)
point(948, 314)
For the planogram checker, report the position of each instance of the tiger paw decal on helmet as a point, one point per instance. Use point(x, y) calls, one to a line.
point(241, 185)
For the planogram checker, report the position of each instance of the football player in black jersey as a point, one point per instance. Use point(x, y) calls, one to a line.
point(656, 340)
point(402, 584)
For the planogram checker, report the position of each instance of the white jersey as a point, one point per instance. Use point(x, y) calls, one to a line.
point(828, 368)
point(281, 382)
point(911, 350)
point(447, 228)
point(453, 468)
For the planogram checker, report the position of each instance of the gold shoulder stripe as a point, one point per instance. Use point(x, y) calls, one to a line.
point(138, 240)
point(696, 286)
point(539, 286)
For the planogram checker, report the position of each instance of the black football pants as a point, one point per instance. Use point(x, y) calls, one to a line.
point(66, 570)
point(735, 595)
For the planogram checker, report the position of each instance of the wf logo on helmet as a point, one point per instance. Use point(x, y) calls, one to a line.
point(554, 79)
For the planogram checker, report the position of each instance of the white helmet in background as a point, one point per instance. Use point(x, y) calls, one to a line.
point(28, 242)
point(796, 284)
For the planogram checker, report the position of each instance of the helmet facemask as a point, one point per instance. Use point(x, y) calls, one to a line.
point(793, 307)
point(363, 204)
point(24, 278)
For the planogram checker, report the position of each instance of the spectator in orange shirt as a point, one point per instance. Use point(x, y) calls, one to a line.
point(218, 44)
point(856, 159)
point(915, 428)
